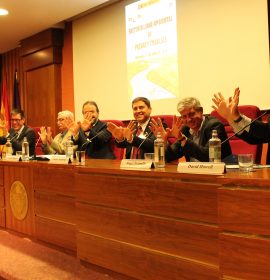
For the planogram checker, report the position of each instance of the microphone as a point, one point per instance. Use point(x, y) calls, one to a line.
point(147, 135)
point(88, 141)
point(243, 128)
point(12, 138)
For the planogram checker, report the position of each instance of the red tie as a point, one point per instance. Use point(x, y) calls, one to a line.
point(135, 150)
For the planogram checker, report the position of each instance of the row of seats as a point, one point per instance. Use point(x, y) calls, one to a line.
point(238, 146)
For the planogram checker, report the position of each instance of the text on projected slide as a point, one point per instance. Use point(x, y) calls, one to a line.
point(151, 40)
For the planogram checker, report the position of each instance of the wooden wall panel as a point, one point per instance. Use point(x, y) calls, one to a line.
point(57, 207)
point(23, 174)
point(140, 263)
point(244, 210)
point(62, 181)
point(55, 232)
point(193, 201)
point(51, 55)
point(1, 175)
point(244, 257)
point(42, 40)
point(44, 96)
point(177, 237)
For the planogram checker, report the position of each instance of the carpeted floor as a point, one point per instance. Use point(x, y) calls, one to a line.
point(24, 259)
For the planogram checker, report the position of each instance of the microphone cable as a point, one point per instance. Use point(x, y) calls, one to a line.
point(244, 127)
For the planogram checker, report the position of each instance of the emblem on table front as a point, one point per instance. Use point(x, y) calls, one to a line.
point(18, 200)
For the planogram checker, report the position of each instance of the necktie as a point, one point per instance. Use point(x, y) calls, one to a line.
point(135, 150)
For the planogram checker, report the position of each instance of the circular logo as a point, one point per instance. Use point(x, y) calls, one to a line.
point(18, 200)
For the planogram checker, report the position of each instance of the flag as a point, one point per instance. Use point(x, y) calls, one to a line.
point(5, 114)
point(16, 96)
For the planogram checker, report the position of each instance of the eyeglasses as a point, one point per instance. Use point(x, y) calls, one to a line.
point(189, 115)
point(16, 120)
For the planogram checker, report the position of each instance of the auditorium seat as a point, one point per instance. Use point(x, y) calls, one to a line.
point(38, 148)
point(118, 152)
point(239, 146)
point(168, 120)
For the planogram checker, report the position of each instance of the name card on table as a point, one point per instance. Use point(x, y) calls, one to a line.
point(58, 159)
point(136, 163)
point(211, 168)
point(12, 158)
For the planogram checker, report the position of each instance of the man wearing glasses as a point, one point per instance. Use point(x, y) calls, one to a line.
point(193, 131)
point(18, 131)
point(57, 145)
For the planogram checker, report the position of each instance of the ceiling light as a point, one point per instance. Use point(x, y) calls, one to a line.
point(3, 12)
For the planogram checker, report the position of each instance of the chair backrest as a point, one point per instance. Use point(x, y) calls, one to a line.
point(118, 152)
point(38, 149)
point(168, 119)
point(239, 146)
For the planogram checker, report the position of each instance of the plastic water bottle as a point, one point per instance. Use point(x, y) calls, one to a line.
point(214, 148)
point(9, 150)
point(25, 149)
point(69, 149)
point(159, 152)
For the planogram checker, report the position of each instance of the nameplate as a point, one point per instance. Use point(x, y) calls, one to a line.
point(211, 168)
point(12, 158)
point(58, 159)
point(136, 163)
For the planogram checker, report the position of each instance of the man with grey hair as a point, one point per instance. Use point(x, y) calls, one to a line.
point(57, 145)
point(193, 131)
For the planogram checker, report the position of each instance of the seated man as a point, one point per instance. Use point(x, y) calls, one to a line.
point(91, 134)
point(253, 133)
point(18, 131)
point(137, 137)
point(57, 145)
point(193, 130)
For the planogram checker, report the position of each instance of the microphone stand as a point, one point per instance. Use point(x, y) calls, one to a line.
point(146, 137)
point(88, 141)
point(243, 128)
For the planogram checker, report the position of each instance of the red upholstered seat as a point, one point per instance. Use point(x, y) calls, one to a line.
point(118, 152)
point(38, 149)
point(168, 119)
point(239, 146)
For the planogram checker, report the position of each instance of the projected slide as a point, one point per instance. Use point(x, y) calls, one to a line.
point(151, 40)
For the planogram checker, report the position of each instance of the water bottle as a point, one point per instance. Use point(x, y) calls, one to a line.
point(25, 149)
point(9, 150)
point(159, 152)
point(214, 148)
point(69, 149)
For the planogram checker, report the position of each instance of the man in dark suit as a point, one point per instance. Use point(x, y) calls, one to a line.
point(18, 131)
point(137, 137)
point(91, 134)
point(193, 131)
point(253, 133)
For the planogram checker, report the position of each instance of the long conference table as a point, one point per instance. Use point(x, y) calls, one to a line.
point(147, 224)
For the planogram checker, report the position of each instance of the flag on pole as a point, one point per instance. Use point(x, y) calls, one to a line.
point(5, 114)
point(16, 96)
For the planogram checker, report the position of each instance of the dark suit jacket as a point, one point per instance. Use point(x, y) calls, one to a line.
point(17, 142)
point(144, 145)
point(259, 133)
point(200, 151)
point(98, 143)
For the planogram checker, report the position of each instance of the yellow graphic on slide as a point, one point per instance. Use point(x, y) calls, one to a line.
point(155, 79)
point(152, 51)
